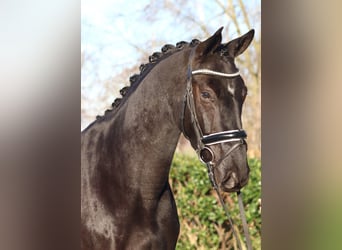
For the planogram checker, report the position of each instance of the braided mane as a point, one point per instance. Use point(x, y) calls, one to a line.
point(155, 58)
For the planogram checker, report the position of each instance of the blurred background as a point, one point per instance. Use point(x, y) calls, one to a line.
point(118, 36)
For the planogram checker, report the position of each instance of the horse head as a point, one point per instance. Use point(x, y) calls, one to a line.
point(212, 117)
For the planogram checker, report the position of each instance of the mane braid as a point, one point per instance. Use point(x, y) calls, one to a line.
point(134, 80)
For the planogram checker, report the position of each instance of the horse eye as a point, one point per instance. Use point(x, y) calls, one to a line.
point(205, 95)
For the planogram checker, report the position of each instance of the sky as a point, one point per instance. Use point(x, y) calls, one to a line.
point(111, 29)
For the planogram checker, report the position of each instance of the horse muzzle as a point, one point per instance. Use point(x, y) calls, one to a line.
point(231, 182)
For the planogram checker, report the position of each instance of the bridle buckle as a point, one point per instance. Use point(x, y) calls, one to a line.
point(206, 155)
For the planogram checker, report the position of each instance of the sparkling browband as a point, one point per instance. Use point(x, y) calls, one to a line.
point(215, 73)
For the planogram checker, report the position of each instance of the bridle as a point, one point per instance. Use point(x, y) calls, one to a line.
point(204, 142)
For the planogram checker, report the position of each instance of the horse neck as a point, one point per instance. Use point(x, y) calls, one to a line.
point(150, 123)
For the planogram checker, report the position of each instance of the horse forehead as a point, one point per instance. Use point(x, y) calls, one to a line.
point(231, 88)
point(217, 63)
point(223, 65)
point(236, 86)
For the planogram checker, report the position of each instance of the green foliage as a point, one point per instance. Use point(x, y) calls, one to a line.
point(203, 222)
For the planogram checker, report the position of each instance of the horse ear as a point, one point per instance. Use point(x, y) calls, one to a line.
point(240, 44)
point(210, 44)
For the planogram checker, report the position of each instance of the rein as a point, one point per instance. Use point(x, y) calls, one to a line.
point(204, 141)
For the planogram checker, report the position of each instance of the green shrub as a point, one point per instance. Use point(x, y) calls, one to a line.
point(203, 222)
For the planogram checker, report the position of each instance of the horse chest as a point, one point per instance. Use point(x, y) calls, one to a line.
point(145, 224)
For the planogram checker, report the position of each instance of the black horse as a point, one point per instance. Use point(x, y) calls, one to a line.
point(192, 88)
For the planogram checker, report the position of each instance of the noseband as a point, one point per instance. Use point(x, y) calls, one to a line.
point(205, 141)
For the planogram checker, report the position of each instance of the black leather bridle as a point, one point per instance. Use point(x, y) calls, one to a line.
point(205, 141)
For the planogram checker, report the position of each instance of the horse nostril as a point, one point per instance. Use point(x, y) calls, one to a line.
point(230, 182)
